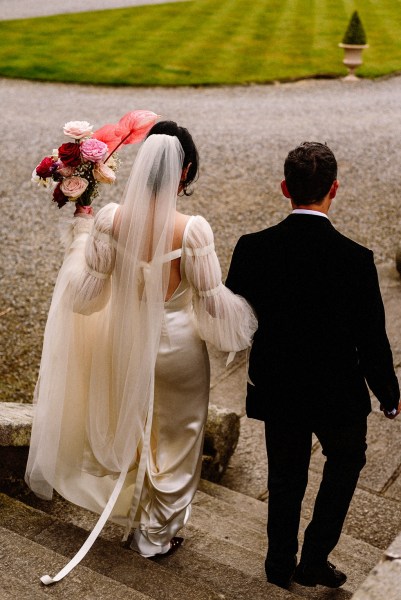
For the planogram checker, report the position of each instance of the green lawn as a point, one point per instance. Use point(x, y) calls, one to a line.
point(200, 42)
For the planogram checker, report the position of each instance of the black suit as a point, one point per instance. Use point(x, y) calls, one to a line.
point(321, 335)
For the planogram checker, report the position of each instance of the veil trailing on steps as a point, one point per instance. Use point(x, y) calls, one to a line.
point(96, 383)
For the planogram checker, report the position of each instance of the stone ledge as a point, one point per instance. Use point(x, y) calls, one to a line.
point(15, 423)
point(221, 438)
point(384, 581)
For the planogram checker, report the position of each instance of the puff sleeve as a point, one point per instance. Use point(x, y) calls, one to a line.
point(224, 318)
point(92, 281)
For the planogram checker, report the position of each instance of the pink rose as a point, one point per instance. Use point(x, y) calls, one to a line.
point(73, 187)
point(66, 171)
point(93, 150)
point(103, 173)
point(78, 129)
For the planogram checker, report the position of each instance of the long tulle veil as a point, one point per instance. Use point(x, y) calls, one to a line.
point(145, 229)
point(111, 422)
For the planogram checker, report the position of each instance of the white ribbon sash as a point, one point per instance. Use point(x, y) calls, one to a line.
point(82, 552)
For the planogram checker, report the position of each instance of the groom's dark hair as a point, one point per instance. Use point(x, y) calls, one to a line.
point(309, 172)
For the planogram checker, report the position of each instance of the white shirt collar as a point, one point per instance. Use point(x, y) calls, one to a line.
point(305, 211)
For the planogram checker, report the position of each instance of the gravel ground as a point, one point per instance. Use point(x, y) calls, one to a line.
point(243, 135)
point(24, 9)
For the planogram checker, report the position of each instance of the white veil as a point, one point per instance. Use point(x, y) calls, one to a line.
point(119, 342)
point(144, 227)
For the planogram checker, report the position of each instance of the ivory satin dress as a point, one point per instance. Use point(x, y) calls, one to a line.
point(200, 309)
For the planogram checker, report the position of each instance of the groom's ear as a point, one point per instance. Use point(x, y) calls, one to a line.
point(333, 189)
point(284, 189)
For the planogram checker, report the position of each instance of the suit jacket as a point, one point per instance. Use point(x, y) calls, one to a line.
point(321, 332)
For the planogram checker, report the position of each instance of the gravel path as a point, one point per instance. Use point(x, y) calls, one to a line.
point(243, 134)
point(24, 9)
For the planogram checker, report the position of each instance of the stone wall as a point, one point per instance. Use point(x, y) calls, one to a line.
point(221, 438)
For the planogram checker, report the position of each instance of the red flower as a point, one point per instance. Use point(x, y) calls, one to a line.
point(70, 154)
point(59, 197)
point(44, 169)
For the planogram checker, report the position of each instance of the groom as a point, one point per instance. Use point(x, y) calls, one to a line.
point(321, 337)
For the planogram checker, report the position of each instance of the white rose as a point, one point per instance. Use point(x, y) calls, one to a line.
point(78, 129)
point(103, 173)
point(41, 182)
point(111, 162)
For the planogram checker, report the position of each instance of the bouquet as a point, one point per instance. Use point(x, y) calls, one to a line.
point(76, 168)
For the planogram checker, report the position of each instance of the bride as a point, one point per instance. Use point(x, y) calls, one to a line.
point(123, 385)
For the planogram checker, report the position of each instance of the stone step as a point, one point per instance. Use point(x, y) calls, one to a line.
point(23, 559)
point(225, 545)
point(354, 556)
point(246, 505)
point(211, 535)
point(188, 574)
point(372, 517)
point(147, 577)
point(202, 570)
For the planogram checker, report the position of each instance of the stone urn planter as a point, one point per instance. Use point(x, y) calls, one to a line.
point(353, 43)
point(352, 58)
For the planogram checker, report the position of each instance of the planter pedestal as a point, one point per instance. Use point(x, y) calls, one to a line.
point(352, 59)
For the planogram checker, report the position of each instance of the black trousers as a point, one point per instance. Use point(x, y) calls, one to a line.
point(288, 450)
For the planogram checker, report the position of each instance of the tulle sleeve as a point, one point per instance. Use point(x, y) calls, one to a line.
point(91, 281)
point(224, 318)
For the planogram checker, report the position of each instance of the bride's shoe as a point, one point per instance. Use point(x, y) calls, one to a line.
point(173, 545)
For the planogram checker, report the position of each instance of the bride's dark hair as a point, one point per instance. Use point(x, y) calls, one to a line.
point(188, 145)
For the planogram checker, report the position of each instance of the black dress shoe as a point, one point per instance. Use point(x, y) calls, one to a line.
point(319, 574)
point(280, 572)
point(280, 580)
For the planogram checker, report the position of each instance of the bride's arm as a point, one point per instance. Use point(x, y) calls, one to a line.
point(90, 281)
point(224, 318)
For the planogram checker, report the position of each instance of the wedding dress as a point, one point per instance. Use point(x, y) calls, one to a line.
point(122, 394)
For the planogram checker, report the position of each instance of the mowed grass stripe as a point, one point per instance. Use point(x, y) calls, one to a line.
point(330, 18)
point(234, 42)
point(290, 47)
point(200, 42)
point(231, 43)
point(140, 44)
point(265, 48)
point(251, 40)
point(383, 25)
point(382, 20)
point(204, 48)
point(186, 48)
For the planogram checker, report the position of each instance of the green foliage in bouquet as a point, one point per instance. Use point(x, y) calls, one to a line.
point(355, 34)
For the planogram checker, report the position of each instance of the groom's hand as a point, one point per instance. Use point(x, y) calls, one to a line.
point(390, 415)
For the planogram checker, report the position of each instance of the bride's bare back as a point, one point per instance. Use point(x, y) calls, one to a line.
point(175, 274)
point(179, 227)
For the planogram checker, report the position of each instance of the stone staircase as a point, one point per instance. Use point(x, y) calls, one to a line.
point(221, 559)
